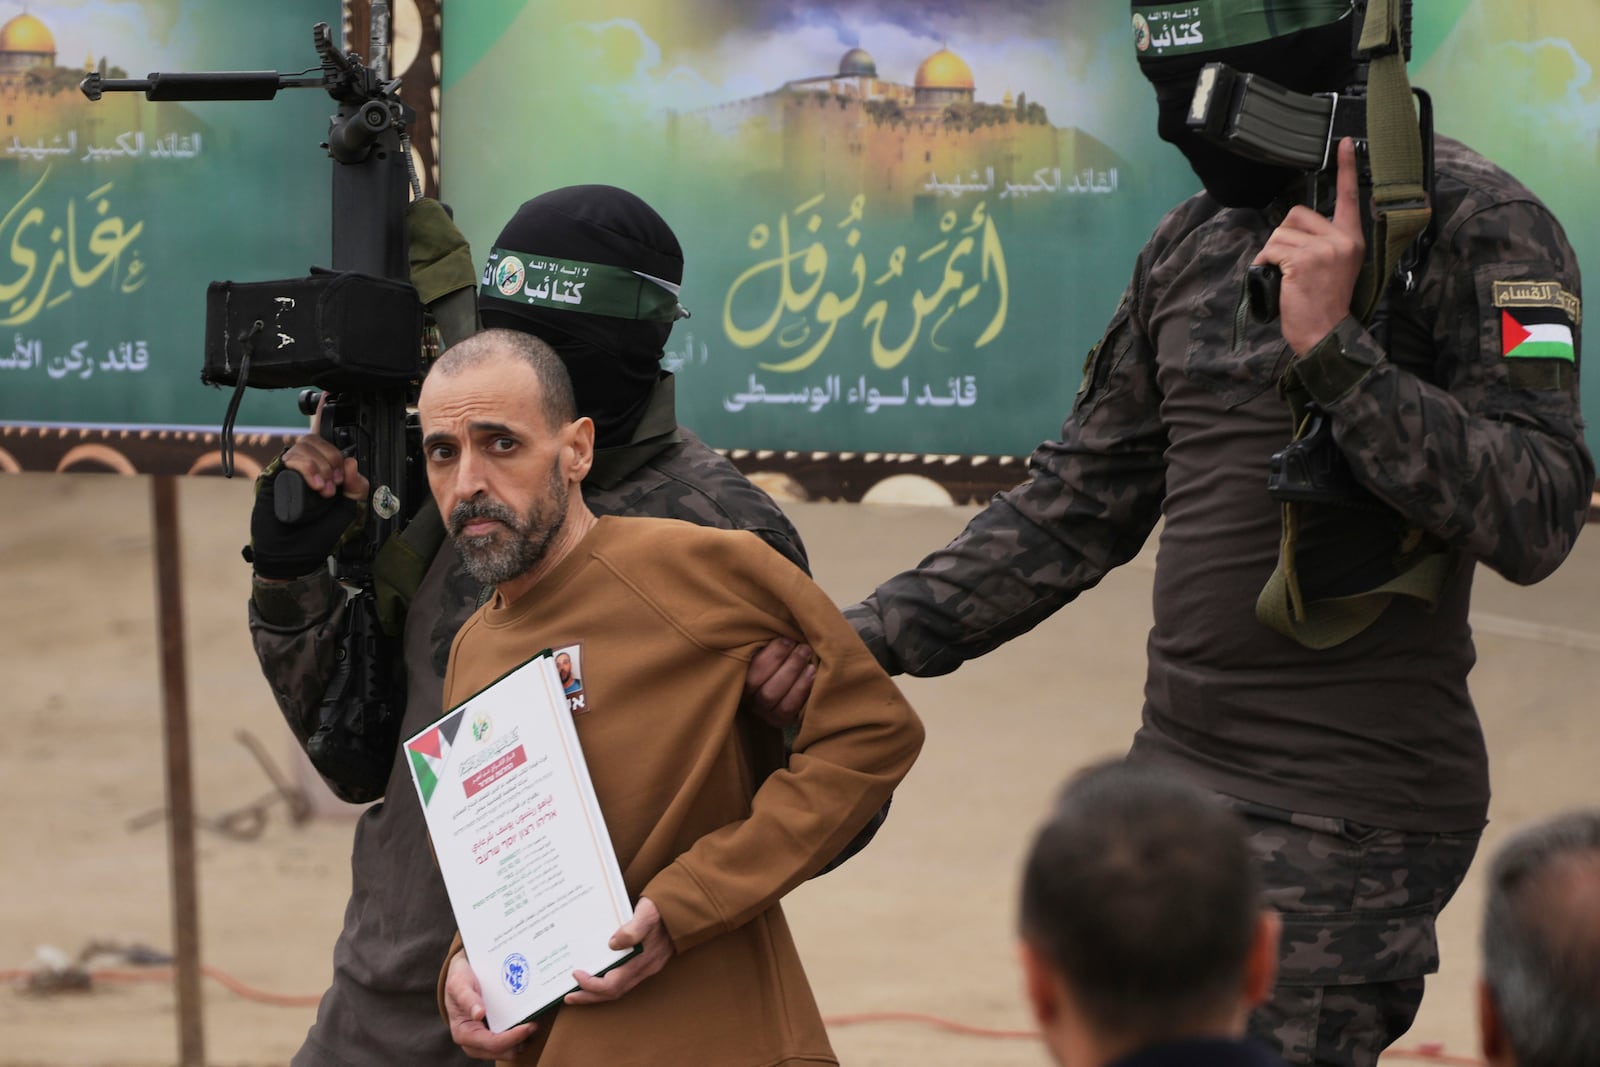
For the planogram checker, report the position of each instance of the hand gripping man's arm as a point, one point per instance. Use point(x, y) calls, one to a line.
point(1090, 501)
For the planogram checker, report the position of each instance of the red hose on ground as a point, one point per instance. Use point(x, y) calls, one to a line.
point(1427, 1052)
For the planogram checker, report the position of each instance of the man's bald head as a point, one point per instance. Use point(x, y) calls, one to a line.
point(555, 387)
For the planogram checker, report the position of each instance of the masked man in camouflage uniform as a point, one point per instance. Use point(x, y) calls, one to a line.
point(1359, 765)
point(381, 1008)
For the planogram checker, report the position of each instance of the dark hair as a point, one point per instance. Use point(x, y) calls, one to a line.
point(1541, 955)
point(1141, 889)
point(555, 385)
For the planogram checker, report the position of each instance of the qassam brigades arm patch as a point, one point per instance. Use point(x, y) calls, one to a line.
point(1537, 320)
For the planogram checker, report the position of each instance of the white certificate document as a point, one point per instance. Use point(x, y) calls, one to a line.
point(526, 858)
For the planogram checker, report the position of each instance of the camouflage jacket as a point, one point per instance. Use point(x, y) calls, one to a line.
point(1457, 433)
point(380, 1009)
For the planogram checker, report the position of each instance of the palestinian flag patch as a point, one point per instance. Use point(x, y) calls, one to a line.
point(1536, 333)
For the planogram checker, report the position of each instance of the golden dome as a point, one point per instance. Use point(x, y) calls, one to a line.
point(26, 34)
point(944, 70)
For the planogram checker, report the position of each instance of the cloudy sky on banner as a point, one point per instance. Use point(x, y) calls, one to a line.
point(1518, 83)
point(1080, 70)
point(925, 16)
point(144, 36)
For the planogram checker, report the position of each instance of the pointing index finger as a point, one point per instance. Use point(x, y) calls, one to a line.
point(1347, 206)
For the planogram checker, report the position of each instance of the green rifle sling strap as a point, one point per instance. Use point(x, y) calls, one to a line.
point(1401, 213)
point(442, 270)
point(440, 259)
point(402, 561)
point(1334, 620)
point(1400, 207)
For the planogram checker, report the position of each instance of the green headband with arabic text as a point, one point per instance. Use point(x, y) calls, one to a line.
point(1180, 29)
point(528, 280)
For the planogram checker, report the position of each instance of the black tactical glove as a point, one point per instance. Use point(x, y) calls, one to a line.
point(284, 550)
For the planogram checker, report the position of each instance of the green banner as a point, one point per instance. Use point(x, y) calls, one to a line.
point(118, 213)
point(905, 223)
point(1186, 27)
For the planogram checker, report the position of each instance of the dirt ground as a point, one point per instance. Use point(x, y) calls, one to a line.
point(919, 924)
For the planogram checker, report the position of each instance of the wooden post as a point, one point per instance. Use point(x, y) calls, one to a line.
point(180, 791)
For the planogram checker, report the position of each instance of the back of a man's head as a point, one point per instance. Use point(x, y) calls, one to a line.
point(1142, 894)
point(1541, 946)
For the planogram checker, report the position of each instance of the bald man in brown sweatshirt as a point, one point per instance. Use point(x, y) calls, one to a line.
point(710, 825)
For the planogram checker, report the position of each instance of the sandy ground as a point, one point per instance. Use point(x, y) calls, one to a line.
point(920, 923)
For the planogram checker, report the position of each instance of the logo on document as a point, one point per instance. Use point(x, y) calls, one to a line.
point(514, 973)
point(480, 727)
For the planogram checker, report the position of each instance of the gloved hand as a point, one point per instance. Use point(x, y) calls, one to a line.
point(281, 551)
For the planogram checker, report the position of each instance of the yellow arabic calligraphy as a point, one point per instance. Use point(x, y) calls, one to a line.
point(828, 309)
point(22, 298)
point(991, 262)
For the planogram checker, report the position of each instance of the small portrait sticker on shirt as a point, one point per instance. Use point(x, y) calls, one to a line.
point(569, 665)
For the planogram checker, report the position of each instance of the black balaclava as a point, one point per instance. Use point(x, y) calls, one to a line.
point(1310, 60)
point(612, 350)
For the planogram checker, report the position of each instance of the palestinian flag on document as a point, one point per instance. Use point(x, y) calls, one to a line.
point(427, 752)
point(1536, 333)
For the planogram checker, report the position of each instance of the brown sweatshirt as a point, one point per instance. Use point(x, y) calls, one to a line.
point(706, 819)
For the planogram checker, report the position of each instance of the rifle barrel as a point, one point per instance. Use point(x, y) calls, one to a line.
point(204, 85)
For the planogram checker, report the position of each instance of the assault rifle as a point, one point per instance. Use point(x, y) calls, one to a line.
point(356, 332)
point(1255, 118)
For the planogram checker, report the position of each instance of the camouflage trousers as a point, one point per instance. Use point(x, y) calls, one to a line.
point(1358, 906)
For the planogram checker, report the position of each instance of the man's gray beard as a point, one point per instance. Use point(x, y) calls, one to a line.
point(496, 558)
